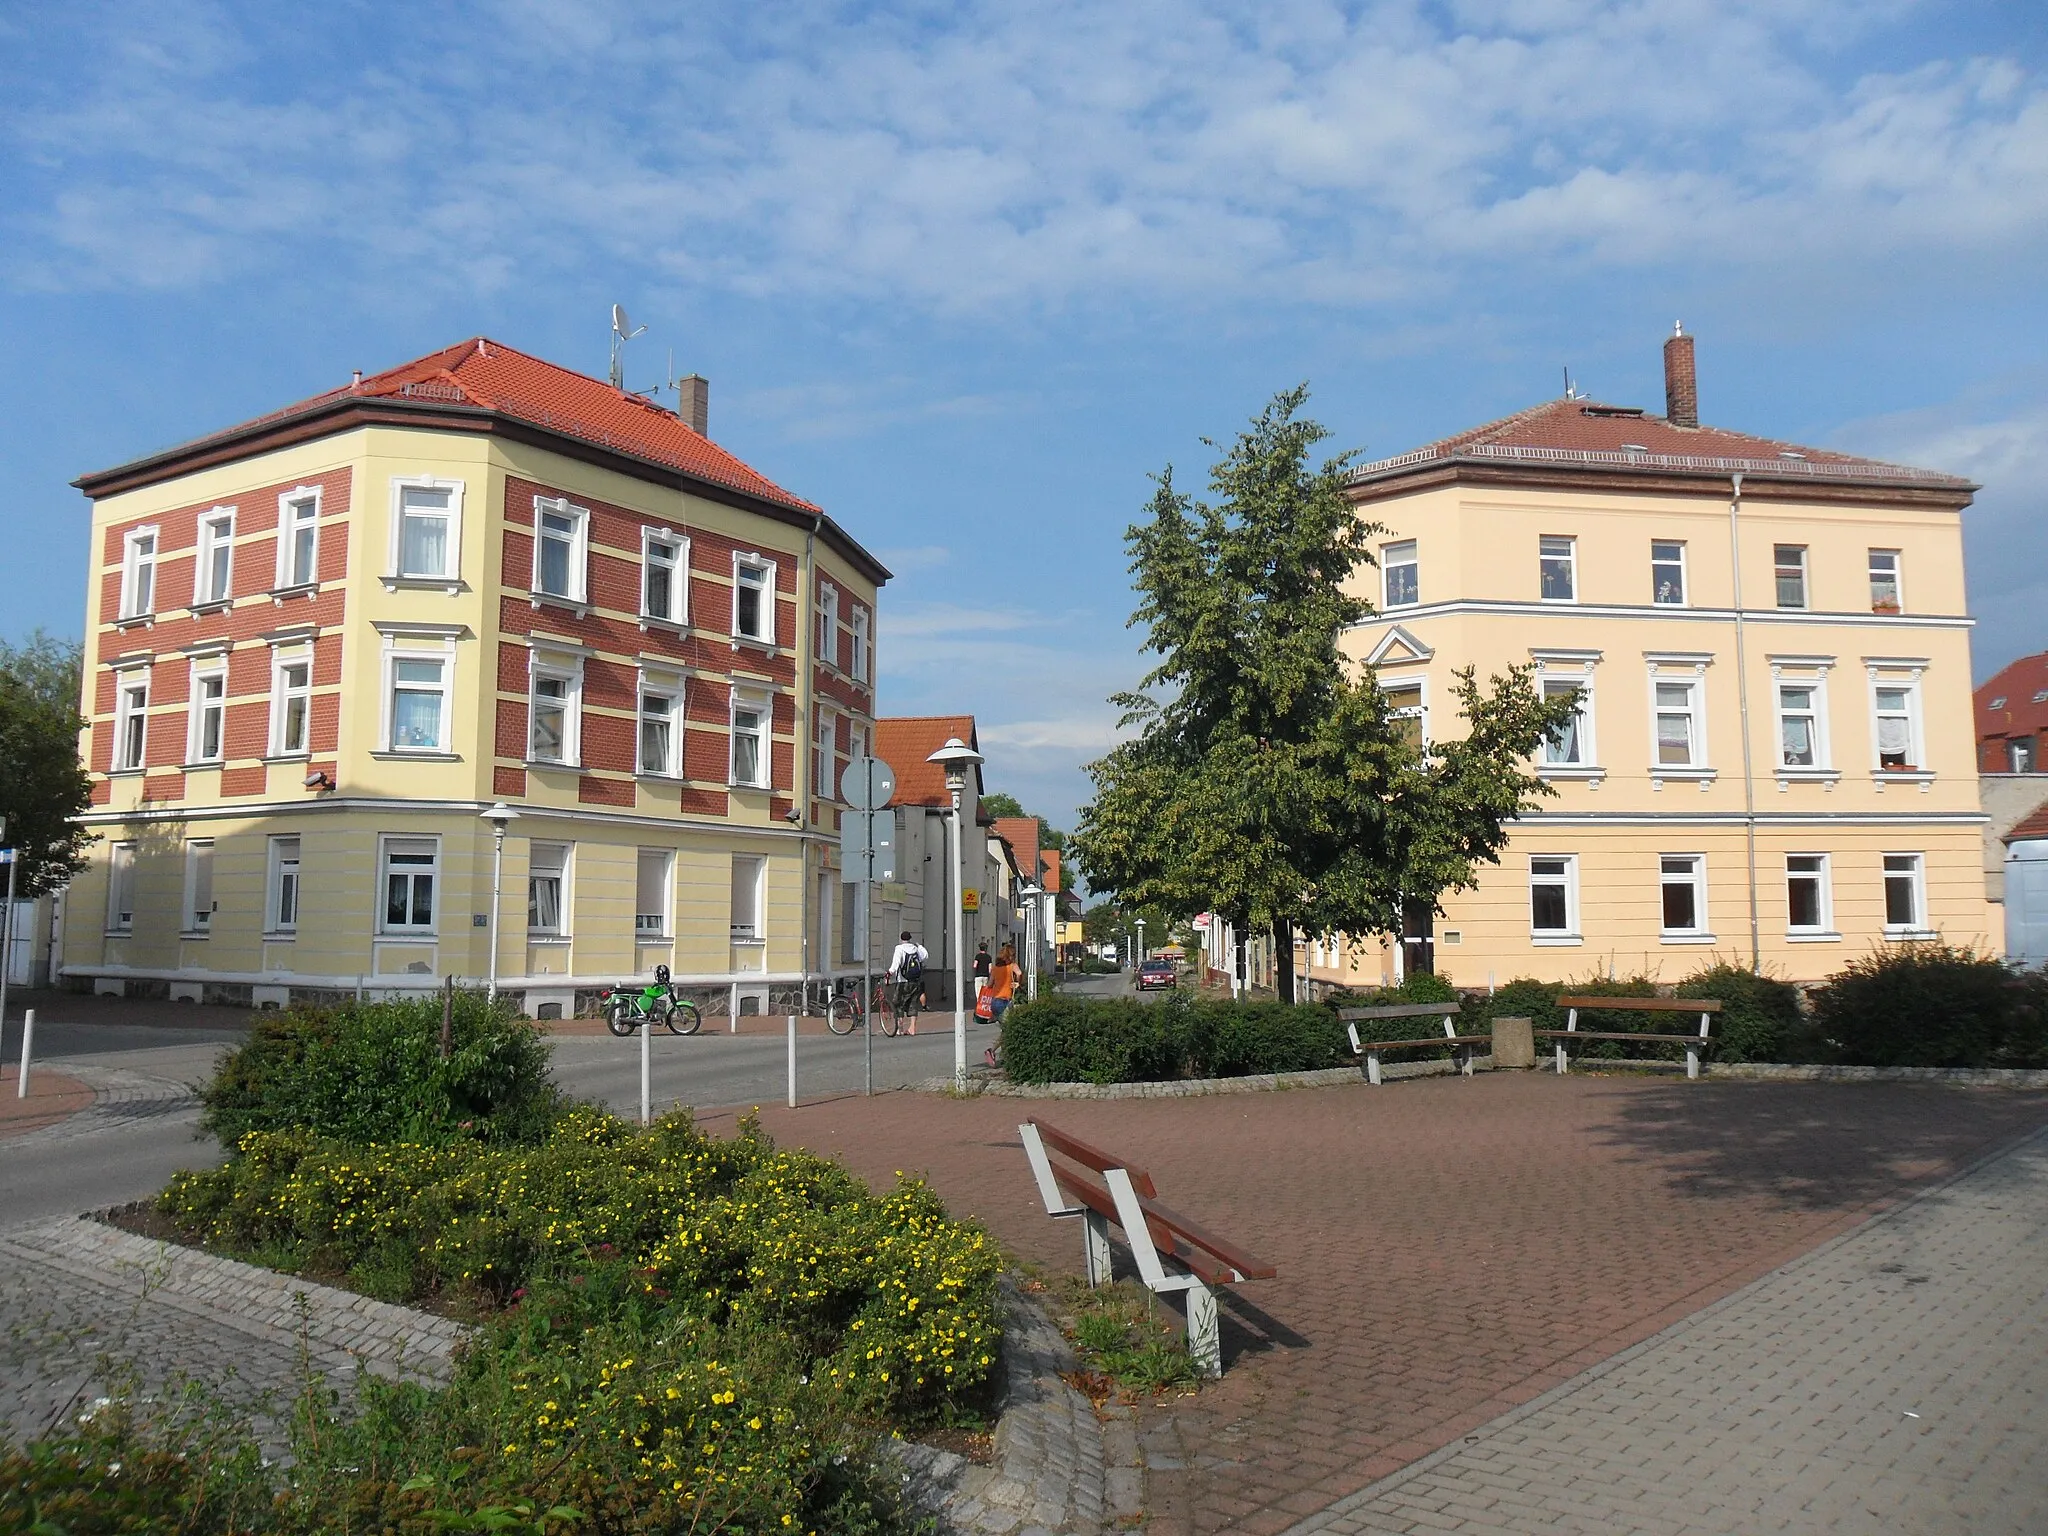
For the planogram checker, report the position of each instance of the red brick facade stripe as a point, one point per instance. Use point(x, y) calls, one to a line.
point(593, 790)
point(244, 781)
point(508, 783)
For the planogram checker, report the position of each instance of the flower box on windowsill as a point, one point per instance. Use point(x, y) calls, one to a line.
point(1886, 606)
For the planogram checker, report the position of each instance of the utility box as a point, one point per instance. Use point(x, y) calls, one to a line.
point(1514, 1043)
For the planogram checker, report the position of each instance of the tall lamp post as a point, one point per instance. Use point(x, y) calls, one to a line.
point(956, 757)
point(1031, 893)
point(498, 816)
point(1141, 941)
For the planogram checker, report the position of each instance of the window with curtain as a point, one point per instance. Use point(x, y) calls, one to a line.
point(418, 703)
point(290, 707)
point(298, 543)
point(426, 517)
point(1798, 726)
point(650, 892)
point(1557, 565)
point(216, 553)
point(747, 873)
point(657, 732)
point(283, 914)
point(1567, 746)
point(121, 887)
point(546, 868)
point(209, 712)
point(1895, 745)
point(1402, 572)
point(198, 886)
point(1678, 725)
point(1667, 572)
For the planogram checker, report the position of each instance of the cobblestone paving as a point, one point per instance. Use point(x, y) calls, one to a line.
point(1895, 1380)
point(118, 1094)
point(1449, 1249)
point(87, 1305)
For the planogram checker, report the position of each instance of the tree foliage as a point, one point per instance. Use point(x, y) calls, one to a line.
point(1000, 804)
point(43, 786)
point(1270, 782)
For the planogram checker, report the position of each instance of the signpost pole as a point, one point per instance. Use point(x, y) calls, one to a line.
point(12, 857)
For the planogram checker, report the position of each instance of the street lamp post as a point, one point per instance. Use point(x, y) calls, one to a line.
point(1141, 941)
point(498, 816)
point(956, 757)
point(1031, 894)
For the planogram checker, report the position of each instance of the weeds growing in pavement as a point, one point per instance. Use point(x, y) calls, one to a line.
point(1123, 1335)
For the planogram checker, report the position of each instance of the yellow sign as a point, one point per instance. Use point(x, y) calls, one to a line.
point(970, 901)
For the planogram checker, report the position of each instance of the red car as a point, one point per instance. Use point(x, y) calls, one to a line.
point(1155, 974)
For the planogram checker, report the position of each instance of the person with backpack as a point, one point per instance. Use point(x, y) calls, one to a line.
point(906, 970)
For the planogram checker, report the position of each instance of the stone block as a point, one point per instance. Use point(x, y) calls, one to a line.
point(1514, 1043)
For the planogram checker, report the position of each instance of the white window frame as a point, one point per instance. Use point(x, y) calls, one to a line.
point(126, 713)
point(828, 625)
point(1400, 555)
point(675, 692)
point(120, 884)
point(1805, 565)
point(282, 693)
point(1898, 580)
point(1568, 880)
point(764, 704)
point(1824, 903)
point(195, 915)
point(748, 560)
point(395, 654)
point(1823, 744)
point(396, 573)
point(1684, 574)
point(1418, 711)
point(133, 564)
point(1695, 876)
point(679, 574)
point(1571, 564)
point(827, 756)
point(757, 931)
point(206, 669)
point(666, 916)
point(563, 856)
point(1916, 732)
point(578, 593)
point(216, 536)
point(1696, 711)
point(1588, 760)
point(290, 523)
point(863, 644)
point(387, 844)
point(1917, 873)
point(283, 860)
point(569, 672)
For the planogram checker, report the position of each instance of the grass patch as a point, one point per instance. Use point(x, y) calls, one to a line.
point(1129, 1346)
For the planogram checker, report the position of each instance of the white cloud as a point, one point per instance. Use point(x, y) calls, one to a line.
point(1005, 154)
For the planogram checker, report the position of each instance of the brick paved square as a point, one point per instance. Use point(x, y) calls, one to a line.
point(1448, 1248)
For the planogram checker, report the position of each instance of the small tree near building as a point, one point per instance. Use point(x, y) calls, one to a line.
point(43, 786)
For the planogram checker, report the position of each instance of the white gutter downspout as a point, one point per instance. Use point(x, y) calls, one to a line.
point(1742, 696)
point(806, 732)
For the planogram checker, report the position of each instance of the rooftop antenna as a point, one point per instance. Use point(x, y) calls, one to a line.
point(1570, 391)
point(622, 332)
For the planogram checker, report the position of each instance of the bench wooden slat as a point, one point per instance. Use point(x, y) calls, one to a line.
point(1405, 1011)
point(1587, 1034)
point(1191, 1246)
point(1643, 1004)
point(1398, 1045)
point(1077, 1150)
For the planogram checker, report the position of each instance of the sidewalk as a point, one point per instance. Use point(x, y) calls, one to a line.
point(52, 1098)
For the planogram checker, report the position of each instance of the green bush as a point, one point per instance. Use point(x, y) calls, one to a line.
point(1760, 1017)
point(373, 1072)
point(1069, 1039)
point(1931, 1005)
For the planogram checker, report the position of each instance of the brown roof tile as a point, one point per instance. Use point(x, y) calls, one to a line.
point(905, 741)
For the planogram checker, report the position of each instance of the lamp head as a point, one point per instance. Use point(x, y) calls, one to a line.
point(955, 757)
point(499, 816)
point(1031, 890)
point(318, 779)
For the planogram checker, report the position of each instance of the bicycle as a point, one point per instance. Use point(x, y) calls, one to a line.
point(844, 1014)
point(657, 1003)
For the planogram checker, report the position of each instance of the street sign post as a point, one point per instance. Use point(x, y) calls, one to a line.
point(7, 857)
point(867, 853)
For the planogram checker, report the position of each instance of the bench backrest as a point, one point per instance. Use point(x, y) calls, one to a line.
point(1404, 1011)
point(1705, 1007)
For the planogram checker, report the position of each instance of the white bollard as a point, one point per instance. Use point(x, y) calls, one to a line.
point(792, 1061)
point(28, 1040)
point(646, 1028)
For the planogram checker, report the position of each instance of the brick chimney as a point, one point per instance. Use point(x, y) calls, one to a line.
point(693, 400)
point(1681, 385)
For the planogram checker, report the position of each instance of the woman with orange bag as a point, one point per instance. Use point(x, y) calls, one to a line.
point(1002, 983)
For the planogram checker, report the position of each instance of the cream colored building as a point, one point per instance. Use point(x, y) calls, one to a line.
point(321, 643)
point(1774, 757)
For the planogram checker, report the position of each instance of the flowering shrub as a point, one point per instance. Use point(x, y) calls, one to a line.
point(884, 1298)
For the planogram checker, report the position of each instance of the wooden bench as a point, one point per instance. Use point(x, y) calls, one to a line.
point(1101, 1188)
point(1461, 1045)
point(1705, 1007)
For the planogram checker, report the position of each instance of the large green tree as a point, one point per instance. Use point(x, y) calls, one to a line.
point(43, 787)
point(1269, 781)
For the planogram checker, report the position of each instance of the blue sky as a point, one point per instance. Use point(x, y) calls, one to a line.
point(969, 273)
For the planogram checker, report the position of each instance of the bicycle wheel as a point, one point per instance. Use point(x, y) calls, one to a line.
point(887, 1007)
point(618, 1016)
point(684, 1018)
point(842, 1015)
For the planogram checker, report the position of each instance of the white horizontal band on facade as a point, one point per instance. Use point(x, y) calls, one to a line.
point(1761, 818)
point(416, 982)
point(1515, 607)
point(329, 806)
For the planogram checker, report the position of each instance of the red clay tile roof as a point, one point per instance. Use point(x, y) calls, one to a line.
point(1049, 861)
point(1021, 833)
point(2035, 825)
point(1585, 433)
point(2019, 712)
point(905, 741)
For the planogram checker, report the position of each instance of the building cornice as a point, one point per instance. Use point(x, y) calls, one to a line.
point(1657, 475)
point(1659, 611)
point(329, 805)
point(348, 413)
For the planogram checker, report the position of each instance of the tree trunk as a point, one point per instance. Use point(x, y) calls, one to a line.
point(1283, 959)
point(1418, 937)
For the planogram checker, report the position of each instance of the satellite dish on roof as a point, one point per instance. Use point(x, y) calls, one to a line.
point(622, 332)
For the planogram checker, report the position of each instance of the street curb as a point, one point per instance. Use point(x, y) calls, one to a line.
point(1192, 1087)
point(1963, 1077)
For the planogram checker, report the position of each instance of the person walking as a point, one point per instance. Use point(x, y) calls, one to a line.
point(981, 966)
point(906, 973)
point(1002, 982)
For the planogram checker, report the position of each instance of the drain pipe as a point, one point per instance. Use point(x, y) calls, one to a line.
point(1756, 963)
point(807, 746)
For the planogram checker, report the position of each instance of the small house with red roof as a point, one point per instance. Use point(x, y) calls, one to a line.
point(321, 642)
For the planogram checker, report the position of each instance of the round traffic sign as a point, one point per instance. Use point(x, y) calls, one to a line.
point(867, 784)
